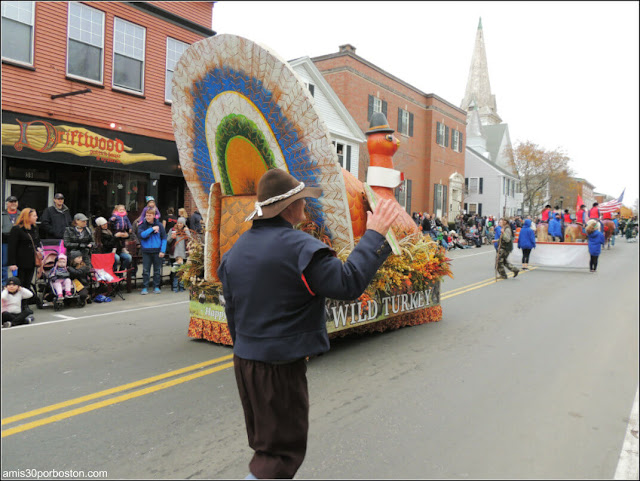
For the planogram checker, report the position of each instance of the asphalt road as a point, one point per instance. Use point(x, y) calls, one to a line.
point(531, 377)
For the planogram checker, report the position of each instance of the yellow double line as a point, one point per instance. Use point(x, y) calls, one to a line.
point(476, 285)
point(115, 400)
point(151, 380)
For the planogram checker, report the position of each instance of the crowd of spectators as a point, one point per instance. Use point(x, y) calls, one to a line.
point(156, 239)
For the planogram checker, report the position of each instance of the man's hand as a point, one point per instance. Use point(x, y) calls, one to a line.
point(156, 228)
point(161, 255)
point(383, 217)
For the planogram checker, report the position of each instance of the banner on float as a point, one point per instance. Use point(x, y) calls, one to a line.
point(573, 255)
point(341, 315)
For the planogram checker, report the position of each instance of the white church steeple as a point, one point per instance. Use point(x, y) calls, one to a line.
point(478, 86)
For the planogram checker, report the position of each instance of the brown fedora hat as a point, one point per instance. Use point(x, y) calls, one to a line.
point(277, 190)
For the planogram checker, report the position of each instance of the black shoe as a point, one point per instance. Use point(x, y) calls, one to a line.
point(503, 277)
point(515, 274)
point(89, 300)
point(29, 319)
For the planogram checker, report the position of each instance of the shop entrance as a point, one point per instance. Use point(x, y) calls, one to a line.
point(36, 195)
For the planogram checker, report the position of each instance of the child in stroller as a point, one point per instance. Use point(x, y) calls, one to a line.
point(59, 278)
point(53, 280)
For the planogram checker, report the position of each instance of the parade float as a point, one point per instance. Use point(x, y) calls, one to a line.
point(238, 110)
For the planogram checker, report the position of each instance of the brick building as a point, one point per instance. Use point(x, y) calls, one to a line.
point(430, 129)
point(86, 102)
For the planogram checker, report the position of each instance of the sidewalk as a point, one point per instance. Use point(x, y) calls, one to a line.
point(132, 300)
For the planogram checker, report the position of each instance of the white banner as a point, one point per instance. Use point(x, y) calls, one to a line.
point(555, 254)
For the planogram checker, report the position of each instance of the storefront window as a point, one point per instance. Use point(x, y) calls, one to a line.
point(111, 187)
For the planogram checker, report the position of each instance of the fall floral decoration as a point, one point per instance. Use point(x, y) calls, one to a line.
point(422, 266)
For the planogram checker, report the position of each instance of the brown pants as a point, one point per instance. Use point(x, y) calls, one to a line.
point(275, 400)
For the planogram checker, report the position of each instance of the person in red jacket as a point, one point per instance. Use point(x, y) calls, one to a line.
point(594, 212)
point(606, 215)
point(581, 215)
point(544, 216)
point(566, 217)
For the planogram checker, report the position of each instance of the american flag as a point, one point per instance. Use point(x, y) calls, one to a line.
point(612, 205)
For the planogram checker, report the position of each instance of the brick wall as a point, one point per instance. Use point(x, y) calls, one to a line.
point(146, 114)
point(423, 161)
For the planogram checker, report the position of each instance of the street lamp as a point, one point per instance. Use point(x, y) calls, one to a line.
point(561, 200)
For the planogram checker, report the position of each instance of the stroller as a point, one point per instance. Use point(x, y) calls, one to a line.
point(43, 287)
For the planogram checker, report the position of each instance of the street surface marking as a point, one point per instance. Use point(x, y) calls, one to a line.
point(87, 317)
point(628, 463)
point(471, 255)
point(109, 402)
point(477, 285)
point(62, 316)
point(148, 390)
point(106, 392)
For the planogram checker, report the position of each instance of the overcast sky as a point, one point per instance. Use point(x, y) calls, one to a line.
point(565, 74)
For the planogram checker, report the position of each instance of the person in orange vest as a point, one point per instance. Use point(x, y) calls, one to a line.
point(594, 213)
point(566, 217)
point(581, 215)
point(544, 216)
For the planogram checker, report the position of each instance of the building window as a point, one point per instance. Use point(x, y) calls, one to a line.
point(128, 55)
point(442, 134)
point(86, 42)
point(310, 87)
point(17, 31)
point(473, 185)
point(175, 49)
point(403, 194)
point(456, 140)
point(376, 105)
point(405, 122)
point(344, 154)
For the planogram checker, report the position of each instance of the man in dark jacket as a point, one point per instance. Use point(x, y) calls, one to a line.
point(55, 219)
point(275, 280)
point(195, 222)
point(9, 216)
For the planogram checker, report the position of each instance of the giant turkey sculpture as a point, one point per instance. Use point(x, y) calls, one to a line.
point(239, 110)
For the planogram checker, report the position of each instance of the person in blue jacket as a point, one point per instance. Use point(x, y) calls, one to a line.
point(153, 241)
point(496, 236)
point(526, 242)
point(595, 238)
point(555, 228)
point(275, 282)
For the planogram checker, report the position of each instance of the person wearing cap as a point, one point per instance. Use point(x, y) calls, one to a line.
point(55, 219)
point(13, 312)
point(581, 215)
point(275, 281)
point(151, 204)
point(24, 242)
point(153, 244)
point(9, 217)
point(60, 278)
point(79, 237)
point(177, 240)
point(105, 242)
point(80, 274)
